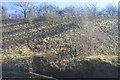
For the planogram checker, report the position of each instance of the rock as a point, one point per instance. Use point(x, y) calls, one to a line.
point(19, 52)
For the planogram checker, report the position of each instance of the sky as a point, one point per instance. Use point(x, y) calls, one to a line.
point(60, 0)
point(64, 3)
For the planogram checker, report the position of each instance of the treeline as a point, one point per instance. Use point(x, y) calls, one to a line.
point(30, 11)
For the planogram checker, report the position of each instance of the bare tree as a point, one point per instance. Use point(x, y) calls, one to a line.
point(61, 13)
point(31, 15)
point(70, 11)
point(3, 11)
point(39, 11)
point(24, 7)
point(111, 10)
point(50, 11)
point(94, 9)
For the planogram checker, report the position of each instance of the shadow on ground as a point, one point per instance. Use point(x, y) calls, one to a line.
point(19, 68)
point(76, 69)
